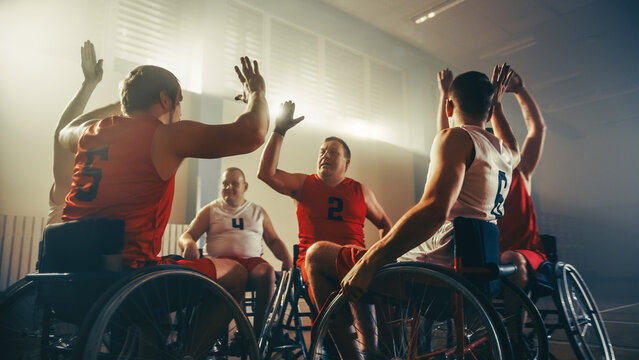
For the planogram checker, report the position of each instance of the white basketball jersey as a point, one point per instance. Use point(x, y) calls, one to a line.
point(235, 231)
point(484, 189)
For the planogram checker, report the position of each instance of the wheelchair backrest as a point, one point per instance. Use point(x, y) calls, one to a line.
point(476, 244)
point(81, 245)
point(550, 247)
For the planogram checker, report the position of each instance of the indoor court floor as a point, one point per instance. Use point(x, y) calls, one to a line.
point(618, 303)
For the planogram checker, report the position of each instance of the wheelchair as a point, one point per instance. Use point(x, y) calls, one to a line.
point(424, 311)
point(79, 306)
point(572, 308)
point(286, 316)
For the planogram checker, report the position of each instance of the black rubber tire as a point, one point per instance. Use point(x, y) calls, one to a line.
point(168, 301)
point(395, 291)
point(583, 323)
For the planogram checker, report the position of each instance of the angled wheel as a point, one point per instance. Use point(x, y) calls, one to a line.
point(419, 311)
point(169, 313)
point(24, 320)
point(275, 313)
point(525, 326)
point(584, 325)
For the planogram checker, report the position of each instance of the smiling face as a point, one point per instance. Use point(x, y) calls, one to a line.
point(332, 162)
point(233, 187)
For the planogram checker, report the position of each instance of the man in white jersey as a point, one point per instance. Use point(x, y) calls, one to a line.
point(468, 176)
point(234, 230)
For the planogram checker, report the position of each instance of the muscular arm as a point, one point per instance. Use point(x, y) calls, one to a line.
point(375, 212)
point(70, 134)
point(188, 240)
point(444, 79)
point(276, 244)
point(450, 153)
point(174, 142)
point(62, 158)
point(279, 180)
point(501, 78)
point(536, 126)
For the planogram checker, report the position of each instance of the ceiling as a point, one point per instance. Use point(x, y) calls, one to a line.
point(579, 57)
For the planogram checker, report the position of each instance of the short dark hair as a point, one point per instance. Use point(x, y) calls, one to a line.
point(473, 92)
point(347, 150)
point(142, 87)
point(236, 169)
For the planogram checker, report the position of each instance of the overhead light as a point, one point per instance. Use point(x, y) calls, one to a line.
point(431, 12)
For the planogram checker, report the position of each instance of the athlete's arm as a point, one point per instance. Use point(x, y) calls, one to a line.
point(188, 240)
point(501, 78)
point(276, 244)
point(375, 212)
point(193, 139)
point(535, 124)
point(70, 135)
point(63, 159)
point(444, 79)
point(279, 180)
point(450, 153)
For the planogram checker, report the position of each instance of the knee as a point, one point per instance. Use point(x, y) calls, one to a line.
point(315, 254)
point(263, 274)
point(237, 274)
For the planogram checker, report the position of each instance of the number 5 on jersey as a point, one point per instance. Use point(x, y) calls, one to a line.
point(92, 172)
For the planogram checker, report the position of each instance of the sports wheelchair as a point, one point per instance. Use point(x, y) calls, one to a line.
point(286, 316)
point(81, 305)
point(572, 308)
point(423, 311)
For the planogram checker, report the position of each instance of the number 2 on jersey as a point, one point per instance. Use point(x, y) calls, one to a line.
point(335, 209)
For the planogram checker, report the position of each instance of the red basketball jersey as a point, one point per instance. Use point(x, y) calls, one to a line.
point(334, 214)
point(114, 177)
point(518, 227)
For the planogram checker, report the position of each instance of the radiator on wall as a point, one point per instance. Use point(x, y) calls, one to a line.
point(20, 236)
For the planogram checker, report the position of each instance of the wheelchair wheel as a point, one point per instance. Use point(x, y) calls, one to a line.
point(419, 311)
point(584, 325)
point(525, 326)
point(168, 313)
point(21, 327)
point(276, 310)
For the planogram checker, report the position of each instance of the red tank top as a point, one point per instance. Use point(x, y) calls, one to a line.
point(518, 228)
point(114, 177)
point(335, 214)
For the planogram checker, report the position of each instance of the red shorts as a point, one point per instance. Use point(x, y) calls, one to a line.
point(205, 266)
point(534, 258)
point(347, 257)
point(248, 263)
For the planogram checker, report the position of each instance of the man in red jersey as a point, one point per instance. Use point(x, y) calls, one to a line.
point(125, 165)
point(519, 241)
point(330, 206)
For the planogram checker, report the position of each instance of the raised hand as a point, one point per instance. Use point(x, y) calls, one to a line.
point(250, 78)
point(91, 68)
point(444, 79)
point(515, 84)
point(501, 78)
point(285, 120)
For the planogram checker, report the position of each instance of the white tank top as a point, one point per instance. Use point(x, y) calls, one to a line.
point(234, 231)
point(484, 189)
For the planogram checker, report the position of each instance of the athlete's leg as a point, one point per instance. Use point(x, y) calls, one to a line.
point(261, 278)
point(323, 280)
point(521, 276)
